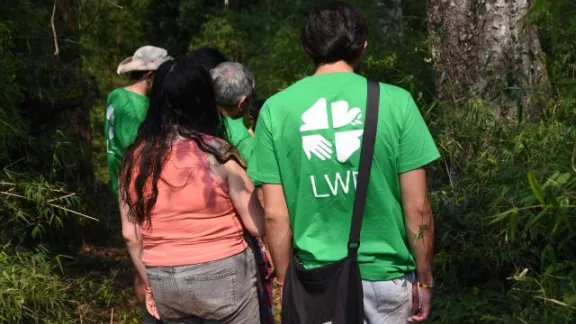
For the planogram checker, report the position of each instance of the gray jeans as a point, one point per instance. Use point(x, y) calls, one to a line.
point(222, 291)
point(388, 302)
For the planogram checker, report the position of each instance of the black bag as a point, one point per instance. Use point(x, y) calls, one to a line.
point(333, 293)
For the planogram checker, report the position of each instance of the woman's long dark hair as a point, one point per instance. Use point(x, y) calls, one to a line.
point(181, 104)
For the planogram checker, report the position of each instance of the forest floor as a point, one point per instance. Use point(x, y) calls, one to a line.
point(110, 267)
point(110, 261)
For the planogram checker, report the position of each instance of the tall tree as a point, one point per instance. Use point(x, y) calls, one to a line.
point(56, 90)
point(391, 21)
point(482, 48)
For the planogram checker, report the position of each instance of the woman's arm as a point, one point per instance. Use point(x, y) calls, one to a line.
point(244, 198)
point(131, 234)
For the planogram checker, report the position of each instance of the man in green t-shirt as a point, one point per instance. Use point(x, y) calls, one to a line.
point(125, 111)
point(233, 86)
point(306, 154)
point(126, 107)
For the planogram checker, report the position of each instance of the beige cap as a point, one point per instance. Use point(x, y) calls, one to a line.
point(146, 58)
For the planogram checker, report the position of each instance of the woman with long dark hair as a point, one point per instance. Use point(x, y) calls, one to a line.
point(186, 201)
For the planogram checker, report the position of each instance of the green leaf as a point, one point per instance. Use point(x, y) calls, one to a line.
point(536, 189)
point(570, 299)
point(563, 178)
point(500, 217)
point(513, 225)
point(548, 257)
point(536, 218)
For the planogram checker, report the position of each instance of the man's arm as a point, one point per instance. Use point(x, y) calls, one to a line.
point(277, 228)
point(419, 221)
point(420, 229)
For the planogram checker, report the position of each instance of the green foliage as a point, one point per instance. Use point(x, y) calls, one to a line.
point(34, 290)
point(31, 291)
point(40, 186)
point(33, 170)
point(217, 32)
point(11, 127)
point(492, 224)
point(546, 220)
point(283, 58)
point(557, 29)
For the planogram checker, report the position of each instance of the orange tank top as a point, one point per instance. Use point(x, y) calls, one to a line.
point(193, 220)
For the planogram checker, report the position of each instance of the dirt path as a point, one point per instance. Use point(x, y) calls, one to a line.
point(111, 262)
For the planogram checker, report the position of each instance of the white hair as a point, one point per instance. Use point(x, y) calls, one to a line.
point(232, 81)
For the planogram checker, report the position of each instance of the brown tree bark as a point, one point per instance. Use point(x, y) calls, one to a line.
point(481, 48)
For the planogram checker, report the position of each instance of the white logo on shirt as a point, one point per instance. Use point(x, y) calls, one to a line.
point(110, 135)
point(346, 143)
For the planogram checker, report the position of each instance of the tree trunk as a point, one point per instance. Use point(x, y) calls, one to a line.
point(77, 117)
point(391, 21)
point(57, 98)
point(481, 48)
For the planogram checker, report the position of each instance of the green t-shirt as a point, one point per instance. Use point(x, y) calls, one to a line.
point(125, 112)
point(239, 136)
point(308, 139)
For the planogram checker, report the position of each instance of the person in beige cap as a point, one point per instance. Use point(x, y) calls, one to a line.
point(125, 110)
point(146, 58)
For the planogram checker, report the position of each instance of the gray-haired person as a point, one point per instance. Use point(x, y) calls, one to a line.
point(233, 86)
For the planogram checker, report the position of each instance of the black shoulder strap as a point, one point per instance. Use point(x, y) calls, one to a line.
point(366, 154)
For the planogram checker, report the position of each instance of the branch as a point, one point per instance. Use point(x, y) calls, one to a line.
point(50, 204)
point(115, 4)
point(94, 18)
point(73, 212)
point(65, 196)
point(56, 47)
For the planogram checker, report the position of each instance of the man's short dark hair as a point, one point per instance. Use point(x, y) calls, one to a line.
point(334, 31)
point(208, 57)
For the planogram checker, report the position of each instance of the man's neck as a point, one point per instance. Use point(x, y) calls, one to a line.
point(340, 66)
point(233, 113)
point(139, 87)
point(223, 112)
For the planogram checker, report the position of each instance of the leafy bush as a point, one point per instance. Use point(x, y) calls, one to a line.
point(30, 290)
point(481, 175)
point(217, 32)
point(34, 290)
point(546, 219)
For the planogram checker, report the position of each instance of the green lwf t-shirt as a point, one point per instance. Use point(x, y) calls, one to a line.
point(308, 139)
point(125, 111)
point(239, 136)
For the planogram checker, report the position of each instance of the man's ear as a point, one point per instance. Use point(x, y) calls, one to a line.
point(364, 46)
point(242, 103)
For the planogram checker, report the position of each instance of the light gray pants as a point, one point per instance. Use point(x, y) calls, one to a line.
point(388, 302)
point(222, 291)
